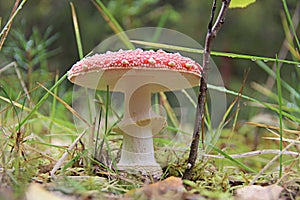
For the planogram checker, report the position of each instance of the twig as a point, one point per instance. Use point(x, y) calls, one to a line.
point(14, 64)
point(272, 161)
point(22, 81)
point(255, 153)
point(63, 157)
point(199, 121)
point(6, 67)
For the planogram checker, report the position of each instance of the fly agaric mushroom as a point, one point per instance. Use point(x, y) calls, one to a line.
point(137, 74)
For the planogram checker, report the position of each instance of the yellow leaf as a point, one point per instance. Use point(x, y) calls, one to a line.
point(240, 3)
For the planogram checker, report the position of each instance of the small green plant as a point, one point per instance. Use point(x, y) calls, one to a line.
point(31, 53)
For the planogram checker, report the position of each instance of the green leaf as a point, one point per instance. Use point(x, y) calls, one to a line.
point(240, 3)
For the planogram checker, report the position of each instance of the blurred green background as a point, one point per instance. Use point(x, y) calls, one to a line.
point(256, 30)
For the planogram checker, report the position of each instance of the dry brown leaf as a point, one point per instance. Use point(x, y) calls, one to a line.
point(170, 188)
point(256, 192)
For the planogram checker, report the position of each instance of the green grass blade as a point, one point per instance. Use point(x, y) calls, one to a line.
point(214, 53)
point(42, 100)
point(106, 109)
point(12, 104)
point(80, 52)
point(71, 162)
point(77, 32)
point(96, 148)
point(280, 114)
point(113, 23)
point(53, 107)
point(233, 160)
point(62, 125)
point(222, 89)
point(46, 144)
point(269, 71)
point(286, 10)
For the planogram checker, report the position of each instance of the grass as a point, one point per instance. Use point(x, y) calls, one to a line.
point(262, 151)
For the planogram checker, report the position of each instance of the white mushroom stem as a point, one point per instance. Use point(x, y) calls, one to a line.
point(137, 127)
point(137, 152)
point(137, 104)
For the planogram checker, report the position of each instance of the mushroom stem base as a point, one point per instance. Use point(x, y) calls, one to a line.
point(138, 156)
point(154, 171)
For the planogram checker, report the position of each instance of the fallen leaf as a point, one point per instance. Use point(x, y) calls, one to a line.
point(256, 192)
point(170, 188)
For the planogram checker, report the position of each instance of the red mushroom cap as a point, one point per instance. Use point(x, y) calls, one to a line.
point(155, 67)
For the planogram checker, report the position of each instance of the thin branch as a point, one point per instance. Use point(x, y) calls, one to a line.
point(212, 16)
point(22, 81)
point(6, 67)
point(199, 121)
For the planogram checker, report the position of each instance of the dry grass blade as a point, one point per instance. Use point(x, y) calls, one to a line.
point(6, 67)
point(77, 32)
point(272, 161)
point(273, 127)
point(66, 105)
point(283, 139)
point(14, 104)
point(21, 81)
point(17, 7)
point(112, 22)
point(106, 18)
point(284, 50)
point(169, 109)
point(14, 64)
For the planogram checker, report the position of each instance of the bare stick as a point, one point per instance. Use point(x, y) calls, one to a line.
point(199, 121)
